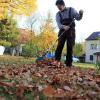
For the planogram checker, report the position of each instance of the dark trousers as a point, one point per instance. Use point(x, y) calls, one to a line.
point(69, 37)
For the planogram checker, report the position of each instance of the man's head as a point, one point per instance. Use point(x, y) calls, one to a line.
point(60, 4)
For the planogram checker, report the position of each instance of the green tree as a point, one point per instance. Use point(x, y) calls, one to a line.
point(9, 33)
point(79, 49)
point(8, 30)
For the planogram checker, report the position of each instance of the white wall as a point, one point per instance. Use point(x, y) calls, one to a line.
point(90, 51)
point(2, 49)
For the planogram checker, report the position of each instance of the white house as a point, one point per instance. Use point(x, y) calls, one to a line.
point(93, 48)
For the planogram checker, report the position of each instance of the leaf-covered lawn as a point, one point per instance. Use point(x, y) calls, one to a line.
point(48, 80)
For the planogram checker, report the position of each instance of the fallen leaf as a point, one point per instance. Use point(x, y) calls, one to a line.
point(49, 91)
point(59, 93)
point(20, 90)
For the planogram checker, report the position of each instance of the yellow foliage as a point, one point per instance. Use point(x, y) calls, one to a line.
point(47, 37)
point(25, 7)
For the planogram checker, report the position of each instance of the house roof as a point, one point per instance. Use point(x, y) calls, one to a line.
point(94, 36)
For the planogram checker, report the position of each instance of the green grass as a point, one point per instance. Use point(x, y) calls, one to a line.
point(13, 60)
point(84, 65)
point(18, 61)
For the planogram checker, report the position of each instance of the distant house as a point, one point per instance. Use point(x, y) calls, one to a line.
point(93, 48)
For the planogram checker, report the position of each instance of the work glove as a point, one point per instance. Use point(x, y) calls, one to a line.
point(81, 12)
point(66, 27)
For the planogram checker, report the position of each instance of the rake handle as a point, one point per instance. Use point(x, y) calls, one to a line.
point(57, 40)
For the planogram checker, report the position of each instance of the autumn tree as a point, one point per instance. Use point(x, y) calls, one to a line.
point(25, 36)
point(19, 7)
point(47, 36)
point(43, 41)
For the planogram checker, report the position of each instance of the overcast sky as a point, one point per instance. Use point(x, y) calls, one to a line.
point(90, 22)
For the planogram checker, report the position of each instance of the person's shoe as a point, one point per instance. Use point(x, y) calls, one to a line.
point(69, 65)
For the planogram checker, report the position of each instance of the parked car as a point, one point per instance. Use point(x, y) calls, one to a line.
point(75, 59)
point(82, 58)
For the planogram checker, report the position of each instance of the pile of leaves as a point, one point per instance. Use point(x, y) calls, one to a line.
point(49, 80)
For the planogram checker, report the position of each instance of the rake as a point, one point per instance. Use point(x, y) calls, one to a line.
point(52, 46)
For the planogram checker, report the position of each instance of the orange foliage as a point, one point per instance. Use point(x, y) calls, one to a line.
point(24, 36)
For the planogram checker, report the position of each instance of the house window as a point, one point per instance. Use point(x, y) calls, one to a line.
point(97, 46)
point(93, 46)
point(91, 57)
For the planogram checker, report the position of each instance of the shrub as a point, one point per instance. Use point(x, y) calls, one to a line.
point(98, 65)
point(5, 43)
point(28, 51)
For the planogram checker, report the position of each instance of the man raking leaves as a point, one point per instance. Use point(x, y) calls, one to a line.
point(65, 20)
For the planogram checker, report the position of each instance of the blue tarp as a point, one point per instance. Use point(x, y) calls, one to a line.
point(49, 55)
